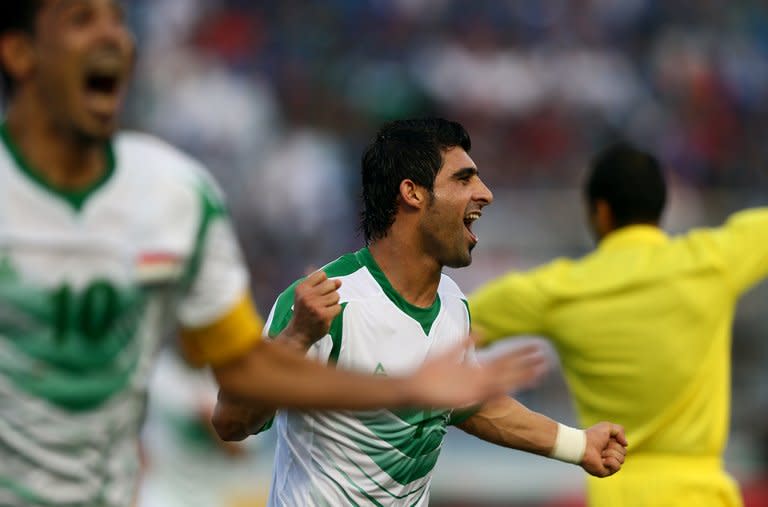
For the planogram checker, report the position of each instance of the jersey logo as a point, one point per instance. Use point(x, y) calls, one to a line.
point(379, 370)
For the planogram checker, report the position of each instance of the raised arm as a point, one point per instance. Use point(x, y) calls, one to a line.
point(599, 450)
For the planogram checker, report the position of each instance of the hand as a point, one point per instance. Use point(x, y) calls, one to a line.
point(315, 305)
point(535, 346)
point(447, 381)
point(606, 449)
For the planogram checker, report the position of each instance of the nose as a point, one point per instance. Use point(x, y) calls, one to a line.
point(112, 29)
point(483, 194)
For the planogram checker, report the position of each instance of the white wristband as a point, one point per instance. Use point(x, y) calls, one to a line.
point(570, 444)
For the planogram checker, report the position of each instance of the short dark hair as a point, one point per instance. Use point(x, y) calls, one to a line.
point(403, 149)
point(631, 181)
point(16, 16)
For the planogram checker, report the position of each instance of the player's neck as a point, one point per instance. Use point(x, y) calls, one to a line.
point(413, 275)
point(58, 157)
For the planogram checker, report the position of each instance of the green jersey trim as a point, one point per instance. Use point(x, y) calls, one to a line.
point(212, 208)
point(459, 415)
point(469, 314)
point(424, 316)
point(75, 198)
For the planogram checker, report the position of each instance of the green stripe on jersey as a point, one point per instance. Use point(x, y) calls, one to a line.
point(211, 207)
point(354, 463)
point(406, 451)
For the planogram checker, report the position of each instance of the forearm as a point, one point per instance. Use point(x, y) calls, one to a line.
point(272, 375)
point(235, 419)
point(506, 422)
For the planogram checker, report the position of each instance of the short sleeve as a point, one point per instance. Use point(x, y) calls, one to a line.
point(215, 312)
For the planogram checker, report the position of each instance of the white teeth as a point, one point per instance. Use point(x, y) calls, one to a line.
point(472, 216)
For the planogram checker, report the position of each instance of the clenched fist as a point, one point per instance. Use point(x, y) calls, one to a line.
point(315, 305)
point(606, 448)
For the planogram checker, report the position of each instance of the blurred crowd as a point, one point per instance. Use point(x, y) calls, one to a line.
point(279, 98)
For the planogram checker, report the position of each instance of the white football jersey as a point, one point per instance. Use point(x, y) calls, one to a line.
point(89, 283)
point(379, 457)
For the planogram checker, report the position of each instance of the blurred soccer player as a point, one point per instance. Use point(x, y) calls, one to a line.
point(421, 194)
point(643, 328)
point(106, 240)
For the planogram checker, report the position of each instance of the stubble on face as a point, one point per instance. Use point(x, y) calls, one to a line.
point(442, 238)
point(447, 220)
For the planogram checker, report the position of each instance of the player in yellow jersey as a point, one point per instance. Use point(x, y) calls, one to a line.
point(643, 328)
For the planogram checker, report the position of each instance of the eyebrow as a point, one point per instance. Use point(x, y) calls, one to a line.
point(466, 172)
point(62, 5)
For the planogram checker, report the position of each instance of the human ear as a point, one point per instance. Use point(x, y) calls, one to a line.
point(16, 55)
point(412, 194)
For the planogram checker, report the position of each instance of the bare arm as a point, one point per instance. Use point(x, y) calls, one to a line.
point(235, 419)
point(274, 375)
point(506, 422)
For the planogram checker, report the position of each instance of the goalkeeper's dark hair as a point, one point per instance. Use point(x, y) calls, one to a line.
point(404, 149)
point(631, 181)
point(16, 16)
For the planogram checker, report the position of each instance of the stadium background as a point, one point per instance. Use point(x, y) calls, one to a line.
point(279, 97)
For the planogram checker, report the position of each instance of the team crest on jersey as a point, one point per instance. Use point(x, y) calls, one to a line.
point(154, 268)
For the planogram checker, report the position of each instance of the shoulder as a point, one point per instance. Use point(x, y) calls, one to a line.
point(449, 288)
point(281, 311)
point(748, 218)
point(156, 159)
point(345, 268)
point(164, 168)
point(357, 283)
point(132, 147)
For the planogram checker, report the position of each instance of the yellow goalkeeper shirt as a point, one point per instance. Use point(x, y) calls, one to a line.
point(643, 328)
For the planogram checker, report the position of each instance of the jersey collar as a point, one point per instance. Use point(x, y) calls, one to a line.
point(424, 316)
point(640, 234)
point(75, 198)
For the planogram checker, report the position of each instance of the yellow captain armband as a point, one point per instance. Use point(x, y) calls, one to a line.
point(227, 338)
point(570, 444)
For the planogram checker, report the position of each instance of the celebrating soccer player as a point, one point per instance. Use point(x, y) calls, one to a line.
point(421, 195)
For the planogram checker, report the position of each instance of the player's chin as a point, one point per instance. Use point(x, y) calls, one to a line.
point(98, 128)
point(461, 259)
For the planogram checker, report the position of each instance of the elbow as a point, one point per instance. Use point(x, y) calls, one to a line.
point(228, 429)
